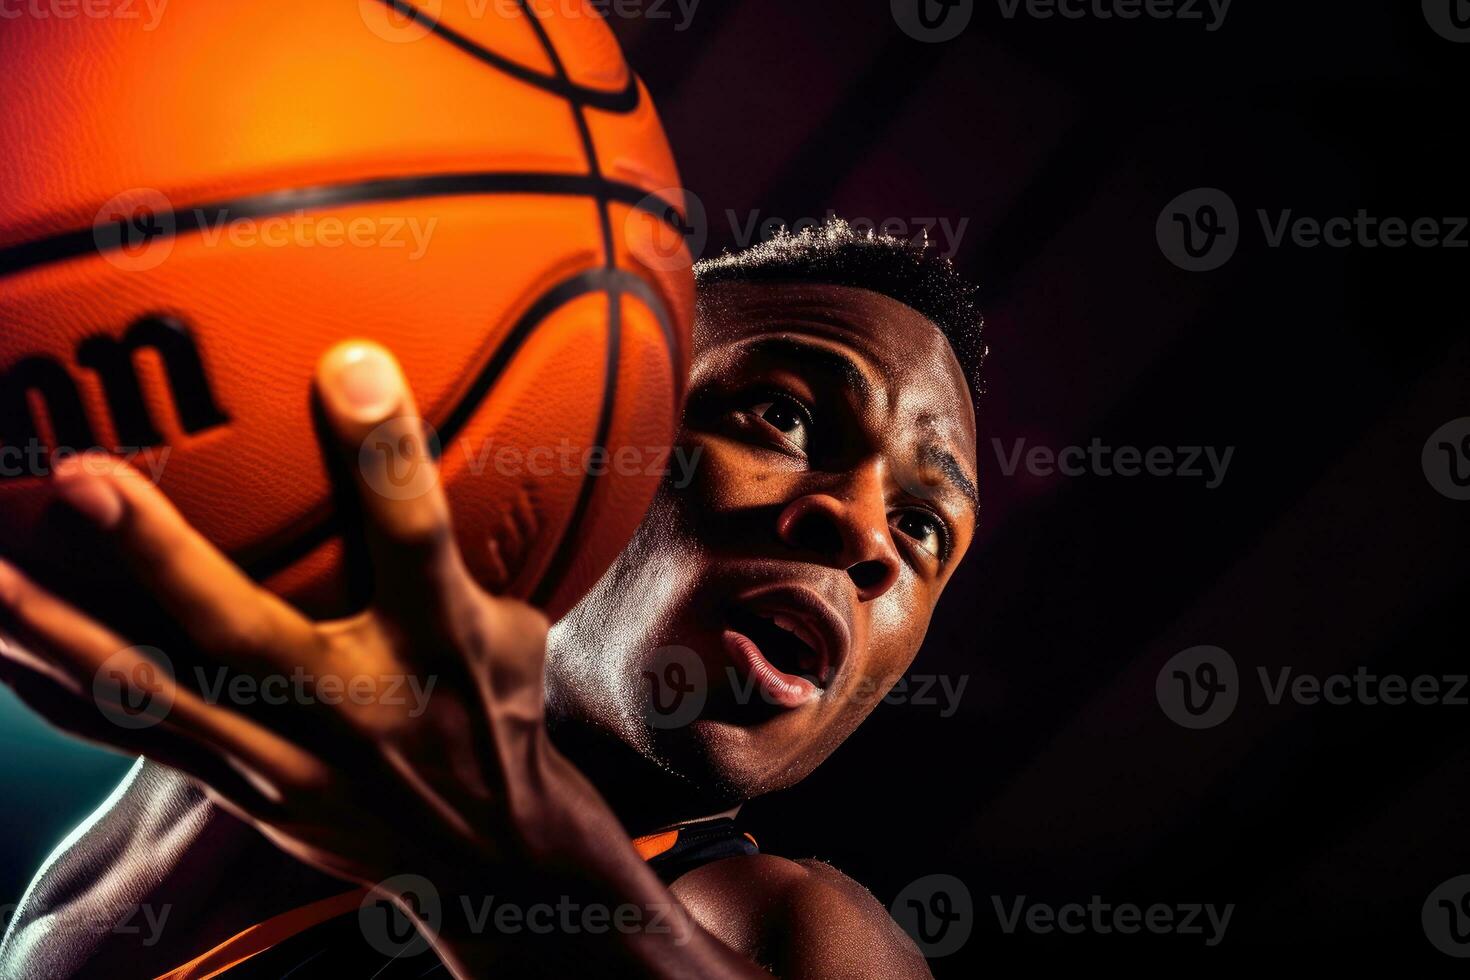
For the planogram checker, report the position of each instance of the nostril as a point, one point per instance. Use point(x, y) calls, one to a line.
point(852, 539)
point(869, 575)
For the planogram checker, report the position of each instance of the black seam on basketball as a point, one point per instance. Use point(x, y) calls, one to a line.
point(564, 553)
point(109, 237)
point(312, 532)
point(551, 578)
point(589, 148)
point(621, 102)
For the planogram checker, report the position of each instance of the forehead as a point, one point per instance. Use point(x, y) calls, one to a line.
point(899, 351)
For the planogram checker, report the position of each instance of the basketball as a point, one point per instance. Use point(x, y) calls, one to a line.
point(483, 188)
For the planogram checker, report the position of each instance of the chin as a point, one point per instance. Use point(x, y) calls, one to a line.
point(735, 762)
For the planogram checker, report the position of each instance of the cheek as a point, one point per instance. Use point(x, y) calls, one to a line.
point(895, 629)
point(729, 476)
point(636, 602)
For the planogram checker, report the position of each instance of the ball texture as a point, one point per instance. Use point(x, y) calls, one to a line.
point(199, 204)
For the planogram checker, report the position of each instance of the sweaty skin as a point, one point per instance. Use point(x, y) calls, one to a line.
point(834, 482)
point(835, 505)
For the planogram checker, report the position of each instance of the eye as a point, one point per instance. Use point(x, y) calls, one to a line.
point(926, 529)
point(787, 416)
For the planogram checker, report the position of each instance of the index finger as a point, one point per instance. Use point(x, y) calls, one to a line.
point(371, 411)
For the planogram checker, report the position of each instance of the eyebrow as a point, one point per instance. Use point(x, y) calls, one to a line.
point(846, 368)
point(950, 467)
point(833, 362)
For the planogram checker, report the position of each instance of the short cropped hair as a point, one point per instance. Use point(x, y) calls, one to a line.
point(837, 254)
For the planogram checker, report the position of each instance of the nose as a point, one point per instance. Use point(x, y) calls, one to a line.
point(849, 532)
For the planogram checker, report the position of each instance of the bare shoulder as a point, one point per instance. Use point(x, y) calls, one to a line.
point(156, 875)
point(801, 918)
point(100, 873)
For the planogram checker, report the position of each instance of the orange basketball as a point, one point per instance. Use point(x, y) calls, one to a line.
point(198, 203)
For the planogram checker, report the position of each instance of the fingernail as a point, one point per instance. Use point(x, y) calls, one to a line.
point(363, 381)
point(93, 496)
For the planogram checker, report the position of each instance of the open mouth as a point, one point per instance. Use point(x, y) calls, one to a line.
point(786, 653)
point(784, 641)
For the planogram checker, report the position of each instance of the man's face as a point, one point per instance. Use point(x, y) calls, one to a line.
point(766, 605)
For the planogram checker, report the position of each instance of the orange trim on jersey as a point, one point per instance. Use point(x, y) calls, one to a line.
point(262, 936)
point(653, 845)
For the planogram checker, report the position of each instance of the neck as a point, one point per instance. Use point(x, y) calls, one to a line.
point(645, 796)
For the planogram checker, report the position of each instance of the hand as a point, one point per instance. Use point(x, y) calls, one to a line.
point(463, 788)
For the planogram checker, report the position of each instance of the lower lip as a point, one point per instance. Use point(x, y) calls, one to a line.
point(777, 687)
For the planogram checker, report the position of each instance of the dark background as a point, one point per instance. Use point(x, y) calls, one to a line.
point(1059, 777)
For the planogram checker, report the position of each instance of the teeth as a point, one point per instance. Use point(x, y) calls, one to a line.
point(796, 628)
